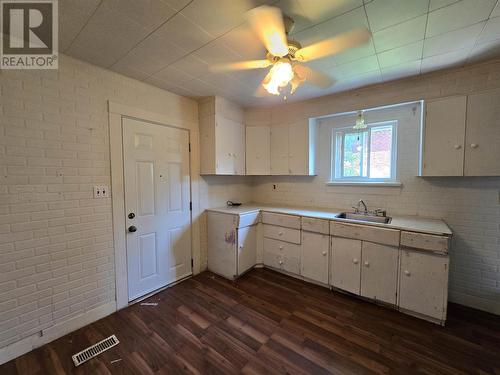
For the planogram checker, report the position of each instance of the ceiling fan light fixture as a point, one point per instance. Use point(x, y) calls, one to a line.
point(280, 75)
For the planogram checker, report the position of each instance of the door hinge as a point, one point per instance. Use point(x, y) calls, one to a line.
point(192, 262)
point(189, 146)
point(190, 206)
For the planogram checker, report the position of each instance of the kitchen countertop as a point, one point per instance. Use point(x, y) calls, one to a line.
point(409, 223)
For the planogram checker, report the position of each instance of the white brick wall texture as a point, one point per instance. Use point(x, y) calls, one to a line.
point(56, 242)
point(470, 205)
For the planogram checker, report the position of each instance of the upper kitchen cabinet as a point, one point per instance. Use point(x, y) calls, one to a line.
point(482, 136)
point(461, 135)
point(222, 137)
point(444, 137)
point(292, 149)
point(258, 150)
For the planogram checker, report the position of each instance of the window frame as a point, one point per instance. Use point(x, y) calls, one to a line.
point(337, 165)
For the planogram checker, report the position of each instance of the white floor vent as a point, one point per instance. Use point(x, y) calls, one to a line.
point(94, 350)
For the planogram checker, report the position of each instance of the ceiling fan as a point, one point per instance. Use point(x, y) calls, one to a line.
point(285, 55)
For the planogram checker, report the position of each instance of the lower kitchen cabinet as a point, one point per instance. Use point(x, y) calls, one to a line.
point(379, 272)
point(247, 248)
point(282, 255)
point(346, 264)
point(314, 256)
point(423, 283)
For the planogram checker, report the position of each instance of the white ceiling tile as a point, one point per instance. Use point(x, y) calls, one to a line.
point(177, 4)
point(485, 51)
point(216, 52)
point(400, 55)
point(436, 4)
point(452, 41)
point(446, 60)
point(73, 15)
point(173, 76)
point(149, 13)
point(361, 66)
point(192, 66)
point(358, 81)
point(184, 33)
point(496, 11)
point(321, 10)
point(129, 71)
point(244, 42)
point(217, 16)
point(491, 31)
point(399, 71)
point(401, 34)
point(385, 13)
point(458, 15)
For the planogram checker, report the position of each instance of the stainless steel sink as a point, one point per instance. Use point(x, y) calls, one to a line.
point(364, 217)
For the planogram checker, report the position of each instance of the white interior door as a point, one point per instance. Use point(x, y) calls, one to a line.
point(157, 198)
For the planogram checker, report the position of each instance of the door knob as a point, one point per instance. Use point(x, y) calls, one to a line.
point(367, 264)
point(131, 215)
point(407, 273)
point(474, 145)
point(355, 261)
point(457, 147)
point(132, 228)
point(324, 253)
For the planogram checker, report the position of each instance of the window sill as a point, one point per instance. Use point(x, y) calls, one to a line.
point(365, 183)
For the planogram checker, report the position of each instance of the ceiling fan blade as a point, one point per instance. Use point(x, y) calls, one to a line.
point(313, 77)
point(267, 23)
point(334, 45)
point(240, 65)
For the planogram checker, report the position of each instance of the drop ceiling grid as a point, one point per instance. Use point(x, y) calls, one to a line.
point(409, 37)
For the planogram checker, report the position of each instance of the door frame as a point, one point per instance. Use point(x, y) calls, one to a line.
point(116, 113)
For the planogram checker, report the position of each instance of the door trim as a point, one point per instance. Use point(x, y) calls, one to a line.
point(116, 113)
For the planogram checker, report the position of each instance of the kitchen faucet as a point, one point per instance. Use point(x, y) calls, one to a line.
point(356, 209)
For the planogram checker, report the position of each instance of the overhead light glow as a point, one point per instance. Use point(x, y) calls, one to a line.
point(280, 75)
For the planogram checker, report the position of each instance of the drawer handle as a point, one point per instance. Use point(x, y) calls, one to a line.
point(407, 273)
point(457, 147)
point(355, 261)
point(281, 247)
point(474, 145)
point(324, 253)
point(280, 262)
point(280, 233)
point(367, 264)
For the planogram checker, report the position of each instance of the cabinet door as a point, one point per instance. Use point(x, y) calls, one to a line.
point(379, 272)
point(346, 264)
point(224, 160)
point(298, 153)
point(482, 153)
point(423, 283)
point(238, 142)
point(314, 256)
point(247, 248)
point(258, 150)
point(279, 150)
point(443, 148)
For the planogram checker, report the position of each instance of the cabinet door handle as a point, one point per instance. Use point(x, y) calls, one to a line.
point(324, 253)
point(457, 147)
point(407, 273)
point(474, 145)
point(280, 233)
point(280, 262)
point(281, 247)
point(367, 264)
point(355, 261)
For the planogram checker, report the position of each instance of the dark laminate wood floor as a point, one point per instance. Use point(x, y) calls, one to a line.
point(268, 323)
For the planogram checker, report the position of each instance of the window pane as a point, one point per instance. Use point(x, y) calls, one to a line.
point(381, 152)
point(354, 162)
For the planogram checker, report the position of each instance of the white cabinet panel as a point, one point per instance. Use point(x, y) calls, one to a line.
point(279, 150)
point(238, 147)
point(346, 264)
point(315, 225)
point(379, 273)
point(247, 248)
point(482, 154)
point(315, 256)
point(282, 234)
point(258, 150)
point(283, 220)
point(298, 152)
point(424, 241)
point(423, 283)
point(224, 145)
point(282, 255)
point(443, 148)
point(365, 232)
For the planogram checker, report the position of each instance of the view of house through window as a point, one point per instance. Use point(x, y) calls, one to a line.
point(365, 155)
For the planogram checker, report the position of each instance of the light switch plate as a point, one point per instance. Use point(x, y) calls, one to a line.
point(101, 191)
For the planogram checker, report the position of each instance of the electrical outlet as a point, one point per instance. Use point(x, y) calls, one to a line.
point(275, 187)
point(101, 191)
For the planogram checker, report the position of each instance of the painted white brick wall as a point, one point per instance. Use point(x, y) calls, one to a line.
point(470, 206)
point(56, 242)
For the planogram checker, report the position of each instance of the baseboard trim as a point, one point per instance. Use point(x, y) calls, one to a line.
point(52, 333)
point(478, 303)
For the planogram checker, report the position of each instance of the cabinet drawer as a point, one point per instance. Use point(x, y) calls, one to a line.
point(249, 219)
point(365, 232)
point(425, 241)
point(289, 221)
point(282, 255)
point(282, 234)
point(315, 225)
